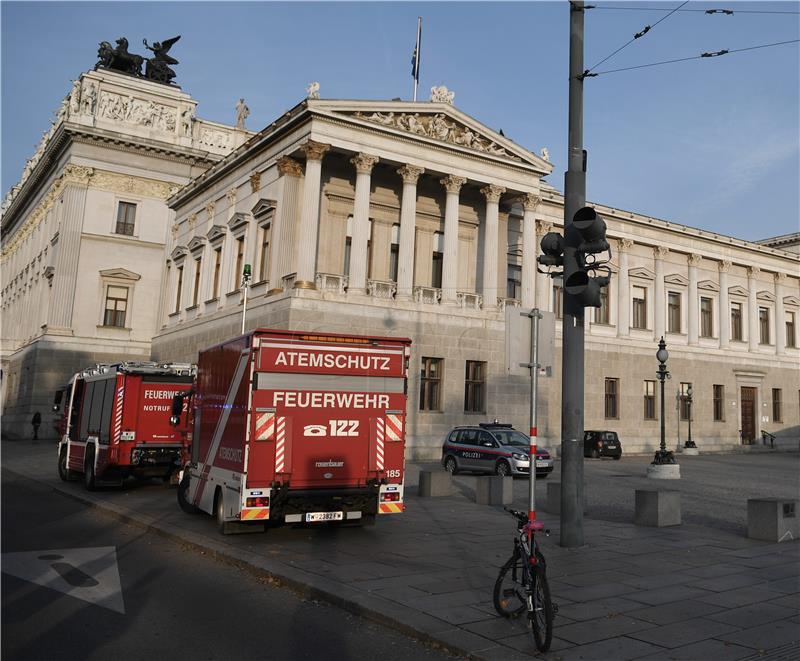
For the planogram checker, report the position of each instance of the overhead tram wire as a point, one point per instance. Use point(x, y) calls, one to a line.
point(728, 12)
point(694, 57)
point(638, 35)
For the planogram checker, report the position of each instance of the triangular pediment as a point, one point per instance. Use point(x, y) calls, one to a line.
point(765, 296)
point(676, 279)
point(641, 272)
point(263, 207)
point(737, 291)
point(178, 252)
point(196, 243)
point(791, 300)
point(432, 122)
point(216, 232)
point(237, 220)
point(120, 273)
point(708, 285)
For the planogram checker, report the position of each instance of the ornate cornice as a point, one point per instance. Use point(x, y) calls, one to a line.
point(410, 173)
point(287, 165)
point(530, 201)
point(364, 162)
point(493, 192)
point(314, 150)
point(453, 183)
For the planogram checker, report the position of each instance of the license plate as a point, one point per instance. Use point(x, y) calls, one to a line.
point(542, 463)
point(324, 516)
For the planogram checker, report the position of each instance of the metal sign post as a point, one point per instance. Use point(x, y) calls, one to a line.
point(247, 275)
point(534, 369)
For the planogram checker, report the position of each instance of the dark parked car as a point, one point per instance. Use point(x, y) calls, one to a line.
point(601, 444)
point(492, 447)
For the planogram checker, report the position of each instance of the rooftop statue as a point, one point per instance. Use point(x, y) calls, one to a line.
point(158, 67)
point(119, 59)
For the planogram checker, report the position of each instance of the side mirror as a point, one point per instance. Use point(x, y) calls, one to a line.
point(177, 409)
point(489, 444)
point(174, 420)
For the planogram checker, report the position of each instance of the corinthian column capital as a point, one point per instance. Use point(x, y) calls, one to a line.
point(753, 271)
point(724, 266)
point(693, 259)
point(625, 245)
point(530, 201)
point(780, 278)
point(493, 192)
point(364, 162)
point(543, 227)
point(660, 252)
point(453, 183)
point(314, 150)
point(77, 174)
point(410, 173)
point(287, 165)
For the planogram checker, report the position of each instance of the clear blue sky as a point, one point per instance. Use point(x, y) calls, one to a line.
point(711, 143)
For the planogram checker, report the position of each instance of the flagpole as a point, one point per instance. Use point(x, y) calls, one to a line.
point(417, 56)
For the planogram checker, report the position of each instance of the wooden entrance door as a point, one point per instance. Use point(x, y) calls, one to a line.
point(748, 415)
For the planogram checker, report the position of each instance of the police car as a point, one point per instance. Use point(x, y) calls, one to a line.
point(492, 447)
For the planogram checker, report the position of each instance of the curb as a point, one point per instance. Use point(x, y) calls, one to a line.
point(373, 608)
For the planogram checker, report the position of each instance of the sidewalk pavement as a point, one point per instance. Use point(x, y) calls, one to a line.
point(685, 592)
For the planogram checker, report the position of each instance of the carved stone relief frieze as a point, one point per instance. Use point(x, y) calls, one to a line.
point(136, 111)
point(214, 138)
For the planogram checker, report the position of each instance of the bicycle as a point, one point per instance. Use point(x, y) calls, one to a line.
point(522, 583)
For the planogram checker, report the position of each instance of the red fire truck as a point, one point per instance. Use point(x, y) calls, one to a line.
point(115, 423)
point(295, 427)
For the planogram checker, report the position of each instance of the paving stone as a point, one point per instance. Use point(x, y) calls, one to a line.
point(713, 571)
point(788, 585)
point(668, 594)
point(654, 581)
point(753, 615)
point(601, 628)
point(599, 591)
point(764, 637)
point(619, 649)
point(705, 650)
point(739, 597)
point(524, 643)
point(728, 582)
point(461, 615)
point(683, 633)
point(497, 627)
point(790, 601)
point(590, 610)
point(597, 578)
point(676, 611)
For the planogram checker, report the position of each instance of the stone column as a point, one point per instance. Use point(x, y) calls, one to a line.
point(308, 228)
point(529, 203)
point(693, 303)
point(453, 186)
point(358, 248)
point(724, 306)
point(752, 307)
point(659, 298)
point(623, 290)
point(408, 223)
point(283, 223)
point(780, 315)
point(76, 182)
point(490, 291)
point(544, 284)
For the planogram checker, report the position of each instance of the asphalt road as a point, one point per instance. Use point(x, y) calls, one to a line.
point(714, 488)
point(134, 595)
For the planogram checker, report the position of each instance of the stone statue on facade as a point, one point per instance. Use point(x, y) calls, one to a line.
point(545, 152)
point(441, 94)
point(187, 119)
point(242, 113)
point(75, 97)
point(158, 68)
point(89, 99)
point(313, 90)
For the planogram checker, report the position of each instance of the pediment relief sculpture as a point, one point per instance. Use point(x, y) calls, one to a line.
point(439, 127)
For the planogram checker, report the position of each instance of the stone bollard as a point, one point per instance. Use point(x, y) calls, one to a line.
point(494, 490)
point(553, 502)
point(435, 483)
point(657, 508)
point(773, 519)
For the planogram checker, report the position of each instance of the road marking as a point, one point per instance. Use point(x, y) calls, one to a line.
point(90, 574)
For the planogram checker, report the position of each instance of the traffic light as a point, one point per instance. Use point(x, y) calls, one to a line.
point(553, 248)
point(582, 282)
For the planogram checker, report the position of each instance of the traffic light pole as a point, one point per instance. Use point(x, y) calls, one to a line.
point(572, 359)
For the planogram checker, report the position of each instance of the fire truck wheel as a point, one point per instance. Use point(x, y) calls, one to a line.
point(219, 511)
point(89, 480)
point(183, 489)
point(63, 472)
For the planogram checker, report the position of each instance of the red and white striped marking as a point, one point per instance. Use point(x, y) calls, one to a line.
point(379, 437)
point(280, 444)
point(118, 414)
point(394, 427)
point(265, 426)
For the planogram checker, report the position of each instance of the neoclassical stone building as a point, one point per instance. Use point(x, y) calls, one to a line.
point(414, 219)
point(83, 233)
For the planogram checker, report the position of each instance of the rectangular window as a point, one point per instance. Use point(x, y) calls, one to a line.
point(198, 269)
point(126, 218)
point(558, 298)
point(763, 325)
point(674, 312)
point(437, 260)
point(430, 384)
point(706, 317)
point(684, 401)
point(394, 253)
point(217, 270)
point(514, 282)
point(179, 289)
point(640, 307)
point(736, 321)
point(602, 315)
point(719, 403)
point(475, 387)
point(612, 399)
point(263, 260)
point(649, 400)
point(791, 340)
point(777, 408)
point(237, 274)
point(116, 306)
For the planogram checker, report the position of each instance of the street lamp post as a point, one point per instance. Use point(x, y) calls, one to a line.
point(689, 392)
point(663, 456)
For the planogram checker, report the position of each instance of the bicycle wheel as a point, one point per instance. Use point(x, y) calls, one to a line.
point(540, 610)
point(510, 593)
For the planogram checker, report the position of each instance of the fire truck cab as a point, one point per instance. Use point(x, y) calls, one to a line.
point(115, 423)
point(295, 427)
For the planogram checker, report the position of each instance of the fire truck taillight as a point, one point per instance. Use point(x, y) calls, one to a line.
point(390, 497)
point(258, 501)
